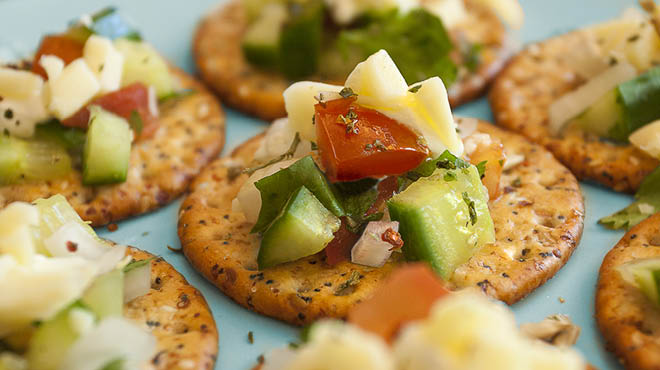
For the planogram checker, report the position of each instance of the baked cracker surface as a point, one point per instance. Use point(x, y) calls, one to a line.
point(219, 58)
point(538, 224)
point(177, 315)
point(525, 89)
point(191, 134)
point(627, 319)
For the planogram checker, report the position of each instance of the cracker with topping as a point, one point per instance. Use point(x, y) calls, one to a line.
point(222, 65)
point(522, 95)
point(177, 315)
point(191, 134)
point(628, 320)
point(538, 223)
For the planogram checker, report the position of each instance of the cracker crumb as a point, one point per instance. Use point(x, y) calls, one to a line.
point(112, 227)
point(561, 300)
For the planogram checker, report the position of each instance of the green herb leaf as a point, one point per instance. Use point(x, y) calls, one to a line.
point(277, 188)
point(347, 286)
point(415, 88)
point(347, 92)
point(314, 146)
point(471, 208)
point(417, 42)
point(137, 264)
point(647, 202)
point(287, 155)
point(481, 167)
point(176, 95)
point(450, 176)
point(472, 56)
point(135, 120)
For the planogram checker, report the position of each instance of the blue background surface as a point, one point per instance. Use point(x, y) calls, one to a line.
point(169, 25)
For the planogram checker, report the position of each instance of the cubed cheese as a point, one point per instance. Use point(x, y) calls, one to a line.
point(345, 11)
point(19, 117)
point(378, 78)
point(647, 139)
point(19, 85)
point(16, 239)
point(452, 12)
point(72, 89)
point(299, 102)
point(105, 61)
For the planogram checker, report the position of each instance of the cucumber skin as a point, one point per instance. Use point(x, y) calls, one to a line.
point(154, 72)
point(107, 150)
point(303, 228)
point(105, 297)
point(435, 227)
point(50, 343)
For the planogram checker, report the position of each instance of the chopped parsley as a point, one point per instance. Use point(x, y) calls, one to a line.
point(450, 176)
point(350, 120)
point(647, 202)
point(415, 88)
point(481, 167)
point(287, 155)
point(347, 92)
point(135, 120)
point(346, 287)
point(471, 208)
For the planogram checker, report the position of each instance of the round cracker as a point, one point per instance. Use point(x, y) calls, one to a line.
point(538, 223)
point(520, 98)
point(191, 134)
point(627, 319)
point(220, 60)
point(177, 315)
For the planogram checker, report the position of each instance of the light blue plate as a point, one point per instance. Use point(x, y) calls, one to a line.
point(169, 25)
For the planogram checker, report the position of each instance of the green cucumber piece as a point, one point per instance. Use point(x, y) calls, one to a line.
point(142, 63)
point(645, 275)
point(602, 116)
point(72, 139)
point(625, 109)
point(304, 227)
point(443, 220)
point(31, 160)
point(105, 297)
point(277, 188)
point(261, 40)
point(50, 343)
point(107, 151)
point(301, 38)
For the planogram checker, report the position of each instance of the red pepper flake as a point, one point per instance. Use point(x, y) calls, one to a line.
point(112, 227)
point(393, 238)
point(71, 246)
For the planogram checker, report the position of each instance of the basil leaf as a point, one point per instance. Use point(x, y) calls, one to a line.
point(176, 95)
point(647, 202)
point(417, 42)
point(277, 188)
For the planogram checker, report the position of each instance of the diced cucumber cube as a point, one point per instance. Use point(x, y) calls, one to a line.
point(31, 160)
point(142, 63)
point(443, 219)
point(107, 151)
point(105, 297)
point(304, 227)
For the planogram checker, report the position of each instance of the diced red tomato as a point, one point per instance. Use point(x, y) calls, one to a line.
point(134, 97)
point(386, 190)
point(339, 249)
point(494, 156)
point(357, 142)
point(407, 295)
point(60, 46)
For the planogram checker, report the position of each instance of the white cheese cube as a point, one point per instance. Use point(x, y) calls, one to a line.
point(19, 117)
point(299, 102)
point(72, 89)
point(19, 85)
point(378, 78)
point(105, 61)
point(15, 231)
point(452, 12)
point(52, 65)
point(647, 139)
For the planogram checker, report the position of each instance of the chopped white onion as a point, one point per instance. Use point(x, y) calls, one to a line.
point(647, 139)
point(466, 126)
point(277, 141)
point(249, 197)
point(585, 56)
point(137, 282)
point(114, 338)
point(512, 160)
point(71, 239)
point(575, 102)
point(279, 358)
point(371, 249)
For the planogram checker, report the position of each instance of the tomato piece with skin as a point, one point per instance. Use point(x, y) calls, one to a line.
point(339, 249)
point(60, 46)
point(356, 142)
point(493, 155)
point(123, 102)
point(407, 295)
point(386, 190)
